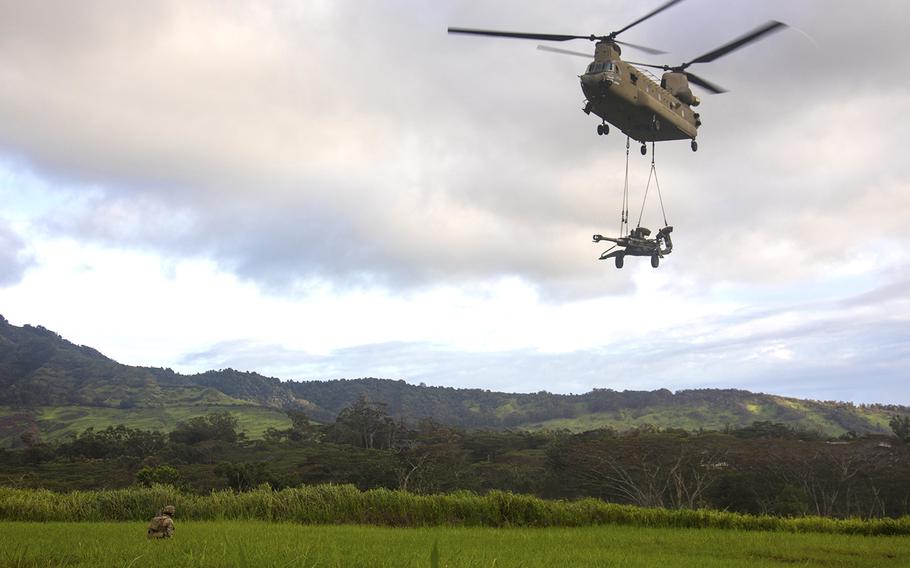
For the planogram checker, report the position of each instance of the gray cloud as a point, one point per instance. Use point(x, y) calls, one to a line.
point(14, 257)
point(358, 143)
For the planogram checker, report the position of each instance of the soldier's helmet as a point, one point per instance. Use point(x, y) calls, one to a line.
point(169, 510)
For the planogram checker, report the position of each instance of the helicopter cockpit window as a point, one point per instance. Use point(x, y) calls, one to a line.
point(600, 67)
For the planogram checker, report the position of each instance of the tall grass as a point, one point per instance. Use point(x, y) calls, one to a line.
point(345, 504)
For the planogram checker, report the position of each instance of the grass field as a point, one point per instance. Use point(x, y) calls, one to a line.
point(693, 418)
point(258, 543)
point(55, 422)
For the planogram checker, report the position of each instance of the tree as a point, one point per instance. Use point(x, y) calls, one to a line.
point(244, 476)
point(216, 426)
point(641, 468)
point(163, 474)
point(301, 430)
point(364, 424)
point(113, 441)
point(434, 461)
point(900, 425)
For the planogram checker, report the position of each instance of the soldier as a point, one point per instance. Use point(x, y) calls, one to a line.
point(162, 526)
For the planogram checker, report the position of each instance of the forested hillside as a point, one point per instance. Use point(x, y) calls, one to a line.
point(688, 409)
point(51, 387)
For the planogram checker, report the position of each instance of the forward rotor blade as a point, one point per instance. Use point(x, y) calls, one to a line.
point(695, 79)
point(739, 42)
point(664, 67)
point(565, 51)
point(643, 18)
point(517, 35)
point(649, 50)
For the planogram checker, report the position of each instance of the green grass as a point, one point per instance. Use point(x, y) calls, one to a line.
point(55, 422)
point(333, 504)
point(258, 543)
point(876, 417)
point(662, 417)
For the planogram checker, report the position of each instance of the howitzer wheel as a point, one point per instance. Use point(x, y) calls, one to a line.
point(618, 259)
point(655, 260)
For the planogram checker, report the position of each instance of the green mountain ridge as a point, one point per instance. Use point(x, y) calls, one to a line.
point(51, 387)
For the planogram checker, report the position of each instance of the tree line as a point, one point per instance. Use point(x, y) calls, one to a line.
point(767, 467)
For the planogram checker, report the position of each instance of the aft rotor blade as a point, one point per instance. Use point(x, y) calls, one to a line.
point(565, 51)
point(650, 50)
point(693, 78)
point(754, 35)
point(518, 35)
point(643, 18)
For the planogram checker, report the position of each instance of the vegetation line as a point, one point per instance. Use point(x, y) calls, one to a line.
point(345, 504)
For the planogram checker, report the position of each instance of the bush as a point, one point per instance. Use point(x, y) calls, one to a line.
point(159, 474)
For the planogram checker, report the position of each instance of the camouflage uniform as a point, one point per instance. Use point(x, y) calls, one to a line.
point(162, 526)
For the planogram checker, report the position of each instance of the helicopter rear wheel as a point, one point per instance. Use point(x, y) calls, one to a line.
point(644, 149)
point(603, 129)
point(618, 259)
point(694, 146)
point(655, 261)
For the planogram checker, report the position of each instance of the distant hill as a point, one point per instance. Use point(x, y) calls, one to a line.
point(40, 368)
point(51, 386)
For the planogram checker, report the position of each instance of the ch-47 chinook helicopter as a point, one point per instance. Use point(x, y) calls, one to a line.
point(626, 97)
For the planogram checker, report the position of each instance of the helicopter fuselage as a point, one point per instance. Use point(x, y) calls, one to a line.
point(630, 100)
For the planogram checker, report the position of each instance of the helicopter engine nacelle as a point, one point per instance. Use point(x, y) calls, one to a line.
point(678, 86)
point(606, 50)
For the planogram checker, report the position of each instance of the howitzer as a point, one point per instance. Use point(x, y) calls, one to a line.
point(637, 243)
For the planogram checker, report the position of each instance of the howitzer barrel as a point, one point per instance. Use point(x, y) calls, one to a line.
point(598, 238)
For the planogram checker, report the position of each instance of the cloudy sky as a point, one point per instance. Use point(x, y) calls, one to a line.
point(320, 189)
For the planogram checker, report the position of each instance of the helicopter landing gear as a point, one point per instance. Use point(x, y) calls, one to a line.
point(694, 146)
point(644, 149)
point(655, 261)
point(603, 129)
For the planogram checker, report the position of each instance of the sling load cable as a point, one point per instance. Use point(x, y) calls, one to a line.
point(652, 173)
point(624, 214)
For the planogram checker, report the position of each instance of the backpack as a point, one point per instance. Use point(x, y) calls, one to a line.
point(160, 527)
